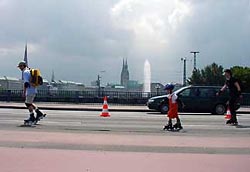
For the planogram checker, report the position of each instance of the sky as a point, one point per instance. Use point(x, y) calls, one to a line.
point(79, 39)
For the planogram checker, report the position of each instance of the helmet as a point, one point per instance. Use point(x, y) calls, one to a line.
point(169, 87)
point(22, 63)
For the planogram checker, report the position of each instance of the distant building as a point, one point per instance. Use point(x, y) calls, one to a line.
point(9, 83)
point(125, 74)
point(64, 85)
point(114, 86)
point(45, 85)
point(94, 84)
point(68, 85)
point(134, 85)
point(157, 87)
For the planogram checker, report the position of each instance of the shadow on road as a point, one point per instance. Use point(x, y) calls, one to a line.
point(243, 126)
point(181, 113)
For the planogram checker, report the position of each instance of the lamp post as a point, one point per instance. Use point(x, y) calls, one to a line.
point(157, 89)
point(98, 82)
point(195, 52)
point(184, 70)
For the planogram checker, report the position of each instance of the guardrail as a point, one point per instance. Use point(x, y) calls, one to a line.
point(115, 97)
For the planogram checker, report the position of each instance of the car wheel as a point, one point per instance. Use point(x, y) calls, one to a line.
point(220, 109)
point(164, 108)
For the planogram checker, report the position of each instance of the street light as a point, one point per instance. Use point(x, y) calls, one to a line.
point(157, 89)
point(184, 70)
point(98, 82)
point(195, 52)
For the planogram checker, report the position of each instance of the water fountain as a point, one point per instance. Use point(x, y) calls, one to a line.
point(147, 77)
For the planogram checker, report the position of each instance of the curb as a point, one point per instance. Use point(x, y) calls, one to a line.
point(78, 109)
point(90, 109)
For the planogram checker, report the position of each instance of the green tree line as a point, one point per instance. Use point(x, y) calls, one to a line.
point(213, 75)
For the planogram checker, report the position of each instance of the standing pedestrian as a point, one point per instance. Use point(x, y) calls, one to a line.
point(234, 92)
point(29, 92)
point(173, 109)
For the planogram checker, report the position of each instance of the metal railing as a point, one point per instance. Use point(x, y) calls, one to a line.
point(115, 97)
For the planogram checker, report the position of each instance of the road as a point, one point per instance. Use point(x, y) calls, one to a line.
point(134, 141)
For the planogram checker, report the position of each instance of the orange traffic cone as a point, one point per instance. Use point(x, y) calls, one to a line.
point(228, 114)
point(105, 111)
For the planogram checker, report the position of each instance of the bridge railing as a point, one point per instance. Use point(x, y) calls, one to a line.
point(115, 97)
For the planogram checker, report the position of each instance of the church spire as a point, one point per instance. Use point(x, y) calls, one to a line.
point(53, 76)
point(125, 74)
point(25, 58)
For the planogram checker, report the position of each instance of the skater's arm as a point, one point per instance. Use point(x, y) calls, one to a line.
point(25, 86)
point(221, 90)
point(26, 78)
point(237, 85)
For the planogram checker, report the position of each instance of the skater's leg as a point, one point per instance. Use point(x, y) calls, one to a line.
point(30, 107)
point(178, 125)
point(29, 104)
point(31, 118)
point(178, 120)
point(39, 113)
point(232, 103)
point(30, 100)
point(169, 125)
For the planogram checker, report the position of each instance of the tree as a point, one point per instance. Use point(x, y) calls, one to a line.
point(196, 78)
point(243, 74)
point(210, 75)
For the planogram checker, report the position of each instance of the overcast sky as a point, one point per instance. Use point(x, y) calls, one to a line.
point(79, 38)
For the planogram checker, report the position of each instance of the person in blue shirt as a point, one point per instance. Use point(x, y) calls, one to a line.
point(29, 92)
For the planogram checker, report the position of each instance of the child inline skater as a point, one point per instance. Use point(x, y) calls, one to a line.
point(173, 109)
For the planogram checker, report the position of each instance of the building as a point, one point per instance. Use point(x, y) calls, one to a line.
point(9, 83)
point(67, 85)
point(134, 86)
point(157, 88)
point(125, 74)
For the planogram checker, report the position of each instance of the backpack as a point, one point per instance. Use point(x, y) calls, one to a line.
point(36, 79)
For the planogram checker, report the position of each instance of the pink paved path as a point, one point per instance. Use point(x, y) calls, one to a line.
point(38, 160)
point(118, 139)
point(63, 160)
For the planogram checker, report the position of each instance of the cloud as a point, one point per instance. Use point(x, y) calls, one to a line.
point(150, 21)
point(79, 38)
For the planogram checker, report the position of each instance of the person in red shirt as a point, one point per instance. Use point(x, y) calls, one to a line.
point(173, 109)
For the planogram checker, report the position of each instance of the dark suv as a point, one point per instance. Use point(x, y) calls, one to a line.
point(200, 99)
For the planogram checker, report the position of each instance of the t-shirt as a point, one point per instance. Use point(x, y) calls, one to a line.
point(231, 86)
point(173, 97)
point(26, 78)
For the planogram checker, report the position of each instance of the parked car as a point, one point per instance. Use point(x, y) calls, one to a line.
point(199, 99)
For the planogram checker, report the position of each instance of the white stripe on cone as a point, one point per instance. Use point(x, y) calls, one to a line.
point(105, 112)
point(228, 114)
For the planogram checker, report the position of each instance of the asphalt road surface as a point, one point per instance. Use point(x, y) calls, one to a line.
point(134, 141)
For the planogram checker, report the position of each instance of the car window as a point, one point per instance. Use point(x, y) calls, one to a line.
point(195, 92)
point(207, 92)
point(185, 93)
